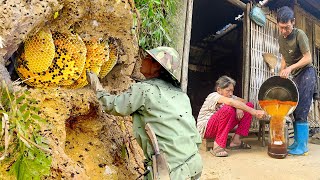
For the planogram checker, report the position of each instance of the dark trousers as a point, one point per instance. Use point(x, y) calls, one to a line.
point(306, 84)
point(316, 95)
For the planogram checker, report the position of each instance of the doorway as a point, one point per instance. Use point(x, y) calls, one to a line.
point(216, 49)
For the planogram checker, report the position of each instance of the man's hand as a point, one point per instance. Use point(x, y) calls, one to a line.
point(240, 114)
point(94, 82)
point(285, 72)
point(259, 114)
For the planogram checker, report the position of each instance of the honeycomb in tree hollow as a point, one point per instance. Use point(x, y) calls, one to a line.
point(80, 82)
point(66, 67)
point(73, 46)
point(39, 51)
point(109, 64)
point(99, 60)
point(97, 54)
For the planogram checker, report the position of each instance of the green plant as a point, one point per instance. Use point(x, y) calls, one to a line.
point(156, 27)
point(23, 148)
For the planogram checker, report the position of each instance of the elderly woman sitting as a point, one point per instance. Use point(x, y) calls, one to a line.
point(221, 112)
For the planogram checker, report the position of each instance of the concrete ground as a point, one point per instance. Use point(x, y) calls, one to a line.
point(256, 164)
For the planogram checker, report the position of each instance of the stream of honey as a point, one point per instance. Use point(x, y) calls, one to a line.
point(277, 110)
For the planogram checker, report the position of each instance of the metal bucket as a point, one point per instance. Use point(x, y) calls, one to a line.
point(277, 88)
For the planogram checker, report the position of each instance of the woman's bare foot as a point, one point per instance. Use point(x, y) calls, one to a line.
point(235, 141)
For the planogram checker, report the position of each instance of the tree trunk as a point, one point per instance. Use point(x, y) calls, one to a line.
point(4, 75)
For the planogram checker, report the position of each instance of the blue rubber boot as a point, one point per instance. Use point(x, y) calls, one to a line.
point(295, 143)
point(302, 139)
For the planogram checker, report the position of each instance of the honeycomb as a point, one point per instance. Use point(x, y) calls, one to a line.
point(39, 51)
point(82, 80)
point(109, 64)
point(95, 57)
point(97, 54)
point(61, 59)
point(66, 67)
point(69, 45)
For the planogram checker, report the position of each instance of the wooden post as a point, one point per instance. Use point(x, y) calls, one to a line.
point(314, 56)
point(246, 53)
point(238, 3)
point(186, 46)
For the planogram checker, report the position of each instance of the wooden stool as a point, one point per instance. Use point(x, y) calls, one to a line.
point(209, 144)
point(262, 130)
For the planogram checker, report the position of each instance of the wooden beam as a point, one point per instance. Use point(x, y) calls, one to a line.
point(314, 3)
point(186, 46)
point(238, 3)
point(232, 27)
point(246, 54)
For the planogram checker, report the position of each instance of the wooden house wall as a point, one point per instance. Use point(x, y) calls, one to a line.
point(317, 65)
point(262, 40)
point(311, 26)
point(265, 39)
point(304, 22)
point(317, 34)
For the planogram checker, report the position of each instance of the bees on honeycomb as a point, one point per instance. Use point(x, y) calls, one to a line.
point(61, 59)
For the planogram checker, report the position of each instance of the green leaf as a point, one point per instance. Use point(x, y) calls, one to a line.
point(157, 1)
point(36, 109)
point(27, 163)
point(33, 164)
point(20, 99)
point(19, 115)
point(21, 128)
point(155, 14)
point(27, 92)
point(16, 167)
point(31, 100)
point(23, 107)
point(36, 117)
point(26, 115)
point(142, 42)
point(38, 139)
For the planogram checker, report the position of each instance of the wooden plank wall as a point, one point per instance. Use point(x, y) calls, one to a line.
point(317, 34)
point(317, 65)
point(311, 26)
point(304, 22)
point(262, 40)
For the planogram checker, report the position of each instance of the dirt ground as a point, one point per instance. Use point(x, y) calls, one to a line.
point(256, 164)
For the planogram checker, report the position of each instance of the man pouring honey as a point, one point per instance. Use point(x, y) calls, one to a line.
point(297, 62)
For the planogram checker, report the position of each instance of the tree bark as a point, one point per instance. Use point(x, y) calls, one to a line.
point(4, 75)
